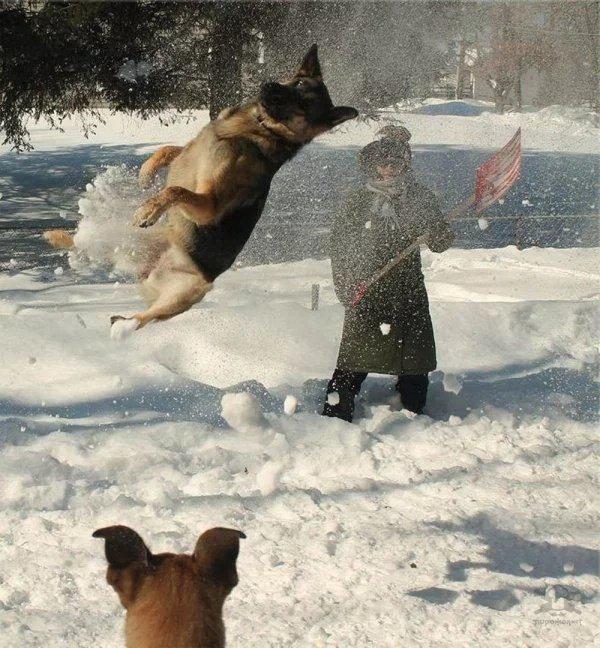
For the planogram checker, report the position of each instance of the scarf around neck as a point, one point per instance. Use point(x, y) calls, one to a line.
point(384, 191)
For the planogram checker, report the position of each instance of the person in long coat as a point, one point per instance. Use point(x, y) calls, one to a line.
point(390, 330)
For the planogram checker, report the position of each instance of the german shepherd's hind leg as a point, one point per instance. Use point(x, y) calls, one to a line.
point(173, 287)
point(159, 159)
point(59, 239)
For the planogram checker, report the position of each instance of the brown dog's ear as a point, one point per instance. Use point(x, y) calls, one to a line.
point(123, 546)
point(216, 552)
point(341, 114)
point(310, 66)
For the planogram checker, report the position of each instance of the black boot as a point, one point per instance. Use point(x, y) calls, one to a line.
point(343, 387)
point(413, 392)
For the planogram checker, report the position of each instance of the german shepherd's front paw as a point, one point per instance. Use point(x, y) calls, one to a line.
point(147, 214)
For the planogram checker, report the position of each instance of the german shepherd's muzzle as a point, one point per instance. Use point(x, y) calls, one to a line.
point(217, 187)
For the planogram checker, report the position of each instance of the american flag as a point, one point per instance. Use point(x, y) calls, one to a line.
point(498, 173)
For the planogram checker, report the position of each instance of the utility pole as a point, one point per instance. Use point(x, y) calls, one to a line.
point(460, 71)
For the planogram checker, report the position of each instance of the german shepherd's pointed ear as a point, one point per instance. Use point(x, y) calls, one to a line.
point(310, 66)
point(341, 114)
point(123, 546)
point(216, 552)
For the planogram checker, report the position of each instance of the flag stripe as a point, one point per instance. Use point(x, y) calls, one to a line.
point(505, 163)
point(498, 173)
point(499, 162)
point(508, 173)
point(498, 191)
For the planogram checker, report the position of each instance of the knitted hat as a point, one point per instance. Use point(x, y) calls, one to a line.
point(391, 149)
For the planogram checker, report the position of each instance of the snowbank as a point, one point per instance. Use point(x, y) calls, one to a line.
point(569, 119)
point(447, 125)
point(257, 324)
point(447, 528)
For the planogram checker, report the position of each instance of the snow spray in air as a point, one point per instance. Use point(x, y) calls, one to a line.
point(105, 238)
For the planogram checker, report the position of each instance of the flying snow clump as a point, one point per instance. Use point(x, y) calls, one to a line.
point(333, 398)
point(290, 404)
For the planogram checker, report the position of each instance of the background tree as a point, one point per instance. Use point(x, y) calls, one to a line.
point(70, 58)
point(517, 44)
point(575, 31)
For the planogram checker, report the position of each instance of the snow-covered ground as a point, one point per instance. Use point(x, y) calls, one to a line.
point(475, 524)
point(491, 496)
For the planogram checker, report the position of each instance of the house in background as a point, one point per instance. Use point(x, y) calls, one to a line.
point(531, 54)
point(477, 85)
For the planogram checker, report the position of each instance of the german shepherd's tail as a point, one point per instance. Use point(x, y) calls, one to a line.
point(59, 239)
point(159, 159)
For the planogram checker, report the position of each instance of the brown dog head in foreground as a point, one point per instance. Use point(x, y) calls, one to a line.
point(172, 600)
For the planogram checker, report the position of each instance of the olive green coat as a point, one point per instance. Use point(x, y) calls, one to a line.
point(365, 236)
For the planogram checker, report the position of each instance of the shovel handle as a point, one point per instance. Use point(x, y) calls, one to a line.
point(363, 287)
point(361, 291)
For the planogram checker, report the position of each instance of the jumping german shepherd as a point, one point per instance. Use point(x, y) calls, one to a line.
point(217, 186)
point(173, 600)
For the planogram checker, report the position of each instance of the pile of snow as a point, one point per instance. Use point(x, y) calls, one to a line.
point(242, 412)
point(458, 121)
point(453, 526)
point(577, 118)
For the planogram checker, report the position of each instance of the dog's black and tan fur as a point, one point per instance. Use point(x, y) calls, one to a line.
point(217, 186)
point(172, 600)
